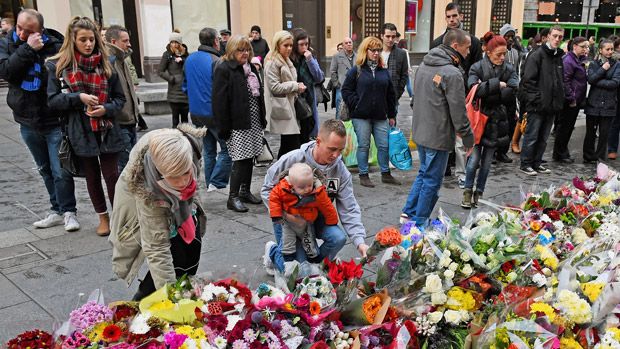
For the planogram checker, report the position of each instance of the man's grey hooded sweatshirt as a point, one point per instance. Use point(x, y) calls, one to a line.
point(439, 105)
point(337, 180)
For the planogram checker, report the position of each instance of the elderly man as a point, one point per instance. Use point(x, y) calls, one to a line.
point(322, 155)
point(439, 117)
point(22, 56)
point(342, 61)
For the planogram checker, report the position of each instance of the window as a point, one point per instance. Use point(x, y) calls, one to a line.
point(500, 14)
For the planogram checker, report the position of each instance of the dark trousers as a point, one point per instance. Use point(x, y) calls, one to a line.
point(512, 123)
point(564, 130)
point(614, 134)
point(179, 111)
point(535, 139)
point(185, 259)
point(592, 149)
point(288, 143)
point(241, 175)
point(306, 126)
point(94, 167)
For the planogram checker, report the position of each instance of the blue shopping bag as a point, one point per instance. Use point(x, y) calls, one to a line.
point(400, 156)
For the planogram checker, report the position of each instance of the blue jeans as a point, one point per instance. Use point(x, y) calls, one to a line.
point(333, 241)
point(614, 134)
point(409, 87)
point(425, 189)
point(130, 136)
point(338, 101)
point(483, 156)
point(535, 139)
point(217, 171)
point(58, 182)
point(379, 129)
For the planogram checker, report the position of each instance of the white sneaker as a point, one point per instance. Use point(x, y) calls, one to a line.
point(403, 218)
point(71, 222)
point(267, 262)
point(51, 220)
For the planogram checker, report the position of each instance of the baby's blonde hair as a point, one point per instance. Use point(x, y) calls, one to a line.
point(300, 173)
point(171, 152)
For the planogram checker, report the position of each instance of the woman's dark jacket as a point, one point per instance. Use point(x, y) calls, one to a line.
point(575, 78)
point(603, 96)
point(83, 140)
point(369, 95)
point(231, 105)
point(495, 101)
point(172, 71)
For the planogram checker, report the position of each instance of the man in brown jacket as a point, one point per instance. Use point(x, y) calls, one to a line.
point(118, 45)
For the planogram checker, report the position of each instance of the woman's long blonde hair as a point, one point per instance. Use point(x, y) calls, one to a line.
point(278, 39)
point(370, 43)
point(66, 55)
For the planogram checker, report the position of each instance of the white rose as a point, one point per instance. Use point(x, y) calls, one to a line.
point(448, 274)
point(433, 284)
point(467, 270)
point(453, 266)
point(465, 257)
point(539, 279)
point(435, 317)
point(438, 298)
point(512, 276)
point(547, 272)
point(464, 315)
point(452, 317)
point(444, 262)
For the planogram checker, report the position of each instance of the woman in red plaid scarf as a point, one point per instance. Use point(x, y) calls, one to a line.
point(88, 95)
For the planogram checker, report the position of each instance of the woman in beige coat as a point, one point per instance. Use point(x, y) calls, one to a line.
point(281, 88)
point(157, 215)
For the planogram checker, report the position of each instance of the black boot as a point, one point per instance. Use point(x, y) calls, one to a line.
point(245, 195)
point(235, 204)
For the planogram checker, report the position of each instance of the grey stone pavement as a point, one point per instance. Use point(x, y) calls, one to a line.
point(43, 271)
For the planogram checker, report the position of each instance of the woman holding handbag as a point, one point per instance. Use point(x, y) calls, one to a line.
point(239, 109)
point(496, 82)
point(82, 86)
point(281, 89)
point(309, 73)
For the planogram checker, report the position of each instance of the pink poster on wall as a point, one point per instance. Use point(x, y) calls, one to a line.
point(411, 16)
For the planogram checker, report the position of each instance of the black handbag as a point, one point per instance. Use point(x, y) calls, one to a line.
point(68, 160)
point(303, 110)
point(325, 94)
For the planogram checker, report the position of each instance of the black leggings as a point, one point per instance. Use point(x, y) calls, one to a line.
point(185, 259)
point(241, 174)
point(288, 143)
point(179, 110)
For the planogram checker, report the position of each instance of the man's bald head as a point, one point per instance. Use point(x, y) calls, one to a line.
point(347, 44)
point(28, 21)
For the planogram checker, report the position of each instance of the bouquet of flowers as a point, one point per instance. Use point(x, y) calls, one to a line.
point(344, 276)
point(317, 289)
point(370, 310)
point(31, 339)
point(385, 238)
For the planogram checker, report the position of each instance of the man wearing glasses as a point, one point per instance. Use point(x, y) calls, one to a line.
point(396, 60)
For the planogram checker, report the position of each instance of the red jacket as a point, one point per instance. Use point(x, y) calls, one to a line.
point(282, 198)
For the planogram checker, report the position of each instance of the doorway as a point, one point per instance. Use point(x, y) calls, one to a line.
point(309, 15)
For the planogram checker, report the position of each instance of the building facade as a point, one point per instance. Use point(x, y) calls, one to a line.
point(327, 21)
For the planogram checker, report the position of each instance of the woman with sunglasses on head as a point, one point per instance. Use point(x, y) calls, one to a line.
point(370, 97)
point(239, 109)
point(604, 79)
point(84, 89)
point(575, 87)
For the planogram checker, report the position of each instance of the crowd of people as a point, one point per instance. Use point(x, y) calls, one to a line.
point(78, 89)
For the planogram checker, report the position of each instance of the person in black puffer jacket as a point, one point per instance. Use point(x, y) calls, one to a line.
point(497, 82)
point(171, 70)
point(604, 79)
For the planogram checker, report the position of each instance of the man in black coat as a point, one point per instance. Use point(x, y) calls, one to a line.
point(22, 57)
point(543, 95)
point(396, 60)
point(454, 19)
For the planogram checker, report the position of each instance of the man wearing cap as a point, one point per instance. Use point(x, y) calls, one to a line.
point(259, 45)
point(224, 36)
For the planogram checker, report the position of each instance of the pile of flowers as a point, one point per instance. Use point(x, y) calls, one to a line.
point(544, 274)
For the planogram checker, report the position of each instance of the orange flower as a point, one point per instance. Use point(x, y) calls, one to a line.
point(536, 225)
point(389, 236)
point(371, 307)
point(315, 308)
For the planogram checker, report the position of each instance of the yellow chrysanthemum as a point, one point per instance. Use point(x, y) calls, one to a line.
point(569, 343)
point(191, 332)
point(592, 290)
point(616, 333)
point(547, 256)
point(96, 334)
point(543, 308)
point(458, 299)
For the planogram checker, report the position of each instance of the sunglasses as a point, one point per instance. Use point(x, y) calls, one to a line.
point(375, 50)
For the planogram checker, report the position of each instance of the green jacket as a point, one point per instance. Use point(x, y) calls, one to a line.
point(140, 224)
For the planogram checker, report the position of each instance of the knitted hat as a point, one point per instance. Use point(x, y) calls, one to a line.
point(507, 28)
point(175, 37)
point(256, 60)
point(255, 28)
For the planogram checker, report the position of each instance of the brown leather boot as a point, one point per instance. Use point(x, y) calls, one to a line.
point(104, 224)
point(516, 138)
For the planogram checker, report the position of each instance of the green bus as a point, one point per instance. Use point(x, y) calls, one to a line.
point(571, 30)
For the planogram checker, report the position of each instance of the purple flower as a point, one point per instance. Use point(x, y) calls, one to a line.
point(90, 314)
point(174, 340)
point(257, 317)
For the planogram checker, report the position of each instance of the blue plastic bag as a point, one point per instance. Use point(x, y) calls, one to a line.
point(400, 156)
